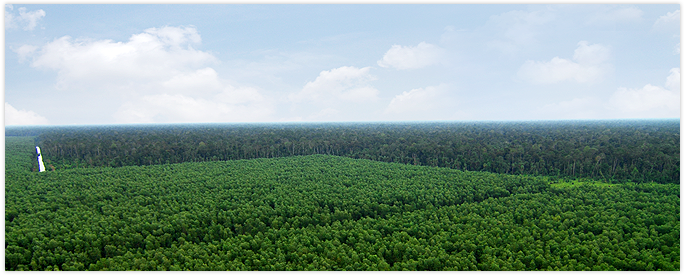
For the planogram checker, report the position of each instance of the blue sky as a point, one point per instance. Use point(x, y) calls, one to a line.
point(113, 64)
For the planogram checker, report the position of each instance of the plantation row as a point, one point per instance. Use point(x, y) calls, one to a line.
point(611, 151)
point(328, 213)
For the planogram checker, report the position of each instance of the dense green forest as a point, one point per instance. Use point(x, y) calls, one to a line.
point(611, 151)
point(324, 212)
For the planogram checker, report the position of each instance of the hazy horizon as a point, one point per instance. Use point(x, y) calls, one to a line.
point(348, 122)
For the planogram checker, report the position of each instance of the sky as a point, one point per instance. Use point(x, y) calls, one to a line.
point(130, 64)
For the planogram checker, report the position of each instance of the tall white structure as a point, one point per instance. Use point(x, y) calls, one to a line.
point(41, 166)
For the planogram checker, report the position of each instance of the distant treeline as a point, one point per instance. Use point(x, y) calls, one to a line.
point(614, 151)
point(33, 130)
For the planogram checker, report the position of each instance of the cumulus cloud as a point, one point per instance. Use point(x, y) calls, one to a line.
point(22, 117)
point(588, 65)
point(155, 55)
point(417, 100)
point(344, 83)
point(649, 101)
point(157, 76)
point(403, 58)
point(27, 20)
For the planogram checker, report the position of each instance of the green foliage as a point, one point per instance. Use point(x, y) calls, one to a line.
point(20, 155)
point(609, 151)
point(331, 213)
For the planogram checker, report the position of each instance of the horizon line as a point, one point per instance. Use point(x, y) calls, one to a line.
point(343, 122)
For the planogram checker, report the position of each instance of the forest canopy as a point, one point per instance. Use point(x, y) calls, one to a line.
point(611, 151)
point(583, 195)
point(324, 212)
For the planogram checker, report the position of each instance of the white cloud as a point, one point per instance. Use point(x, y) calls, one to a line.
point(155, 77)
point(201, 81)
point(241, 96)
point(669, 21)
point(589, 66)
point(30, 18)
point(676, 49)
point(557, 69)
point(9, 17)
point(24, 52)
point(673, 80)
point(344, 83)
point(232, 105)
point(168, 108)
point(417, 100)
point(577, 108)
point(229, 104)
point(155, 55)
point(22, 117)
point(515, 29)
point(403, 58)
point(647, 98)
point(360, 94)
point(175, 37)
point(591, 54)
point(27, 20)
point(649, 101)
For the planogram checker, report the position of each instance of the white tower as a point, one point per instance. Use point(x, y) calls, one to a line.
point(41, 166)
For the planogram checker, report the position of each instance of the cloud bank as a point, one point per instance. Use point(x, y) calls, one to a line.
point(588, 65)
point(22, 117)
point(231, 105)
point(155, 55)
point(649, 101)
point(158, 76)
